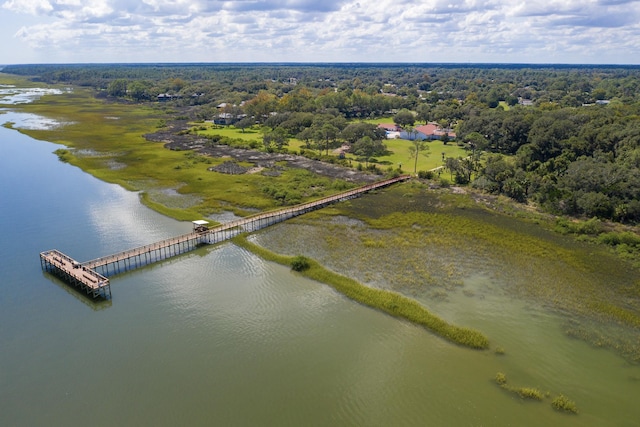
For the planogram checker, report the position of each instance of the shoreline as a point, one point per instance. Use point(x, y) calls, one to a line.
point(496, 205)
point(391, 303)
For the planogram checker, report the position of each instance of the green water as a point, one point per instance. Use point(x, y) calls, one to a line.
point(220, 337)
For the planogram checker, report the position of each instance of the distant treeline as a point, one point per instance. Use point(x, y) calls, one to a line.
point(566, 137)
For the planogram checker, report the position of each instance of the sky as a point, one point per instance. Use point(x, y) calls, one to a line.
point(457, 31)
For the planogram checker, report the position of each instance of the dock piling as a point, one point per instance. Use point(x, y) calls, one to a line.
point(90, 276)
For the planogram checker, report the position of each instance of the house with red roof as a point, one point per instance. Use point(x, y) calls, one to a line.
point(430, 131)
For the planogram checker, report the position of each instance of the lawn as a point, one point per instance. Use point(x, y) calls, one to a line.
point(379, 120)
point(252, 134)
point(427, 160)
point(398, 148)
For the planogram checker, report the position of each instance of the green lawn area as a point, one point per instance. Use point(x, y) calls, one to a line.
point(379, 120)
point(253, 134)
point(428, 159)
point(398, 148)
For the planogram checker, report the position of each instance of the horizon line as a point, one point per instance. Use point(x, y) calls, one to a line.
point(341, 63)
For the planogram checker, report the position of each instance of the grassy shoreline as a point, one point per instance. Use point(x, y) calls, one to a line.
point(389, 302)
point(106, 140)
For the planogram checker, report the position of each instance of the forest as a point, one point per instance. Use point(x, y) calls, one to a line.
point(565, 138)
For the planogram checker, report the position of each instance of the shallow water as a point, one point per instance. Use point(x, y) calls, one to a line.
point(17, 95)
point(218, 336)
point(28, 121)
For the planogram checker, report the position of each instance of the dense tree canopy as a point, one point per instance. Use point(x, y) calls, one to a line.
point(564, 137)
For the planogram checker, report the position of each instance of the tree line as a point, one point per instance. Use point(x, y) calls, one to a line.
point(563, 137)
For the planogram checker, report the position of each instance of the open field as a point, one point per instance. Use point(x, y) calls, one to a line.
point(253, 134)
point(427, 160)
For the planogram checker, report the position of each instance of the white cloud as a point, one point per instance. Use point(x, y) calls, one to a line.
point(333, 30)
point(33, 7)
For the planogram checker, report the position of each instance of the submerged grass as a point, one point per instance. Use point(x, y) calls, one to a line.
point(390, 302)
point(581, 276)
point(563, 403)
point(435, 246)
point(560, 402)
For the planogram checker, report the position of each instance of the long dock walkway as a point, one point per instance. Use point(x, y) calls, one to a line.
point(91, 276)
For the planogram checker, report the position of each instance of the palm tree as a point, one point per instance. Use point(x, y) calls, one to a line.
point(417, 146)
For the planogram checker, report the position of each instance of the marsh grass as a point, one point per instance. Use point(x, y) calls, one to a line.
point(414, 240)
point(528, 393)
point(389, 302)
point(10, 79)
point(98, 135)
point(426, 243)
point(562, 403)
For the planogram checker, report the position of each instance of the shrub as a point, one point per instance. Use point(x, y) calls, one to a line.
point(592, 226)
point(426, 174)
point(501, 379)
point(461, 179)
point(620, 238)
point(300, 263)
point(63, 155)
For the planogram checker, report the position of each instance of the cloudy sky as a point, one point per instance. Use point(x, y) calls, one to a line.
point(507, 31)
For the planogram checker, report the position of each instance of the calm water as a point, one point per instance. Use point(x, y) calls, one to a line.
point(219, 337)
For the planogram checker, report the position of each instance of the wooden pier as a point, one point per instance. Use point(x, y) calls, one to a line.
point(91, 276)
point(65, 267)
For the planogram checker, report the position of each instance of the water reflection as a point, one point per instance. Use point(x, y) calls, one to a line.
point(79, 295)
point(30, 121)
point(15, 95)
